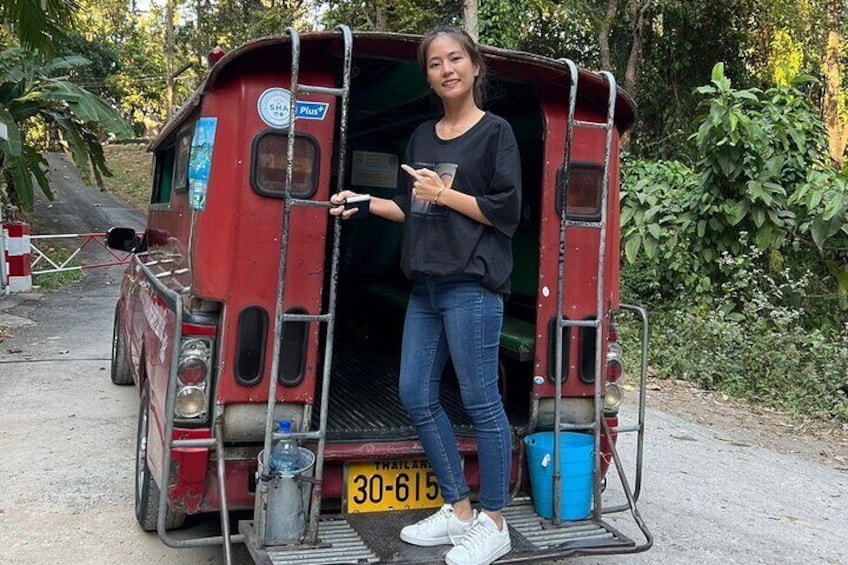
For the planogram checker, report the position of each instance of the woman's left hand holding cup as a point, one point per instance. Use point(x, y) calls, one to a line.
point(427, 186)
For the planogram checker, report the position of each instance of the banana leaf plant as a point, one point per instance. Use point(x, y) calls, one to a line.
point(38, 24)
point(31, 92)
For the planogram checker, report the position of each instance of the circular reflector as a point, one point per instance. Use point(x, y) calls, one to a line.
point(191, 402)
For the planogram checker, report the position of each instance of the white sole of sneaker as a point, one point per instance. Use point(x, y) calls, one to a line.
point(497, 554)
point(425, 543)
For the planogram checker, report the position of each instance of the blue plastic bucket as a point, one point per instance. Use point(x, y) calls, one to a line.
point(576, 461)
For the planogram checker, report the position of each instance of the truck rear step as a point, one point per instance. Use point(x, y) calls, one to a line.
point(375, 538)
point(340, 543)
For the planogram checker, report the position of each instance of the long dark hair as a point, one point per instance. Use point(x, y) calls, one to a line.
point(470, 47)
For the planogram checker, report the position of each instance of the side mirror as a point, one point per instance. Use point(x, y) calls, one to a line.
point(122, 239)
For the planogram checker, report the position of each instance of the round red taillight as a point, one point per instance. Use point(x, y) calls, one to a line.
point(614, 370)
point(192, 371)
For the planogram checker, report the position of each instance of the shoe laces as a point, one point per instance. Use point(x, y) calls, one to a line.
point(476, 537)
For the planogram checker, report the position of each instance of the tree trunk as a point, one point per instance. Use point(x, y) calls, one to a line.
point(470, 10)
point(837, 132)
point(381, 17)
point(202, 46)
point(603, 35)
point(634, 62)
point(169, 57)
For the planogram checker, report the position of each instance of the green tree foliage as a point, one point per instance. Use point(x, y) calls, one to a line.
point(656, 224)
point(137, 83)
point(786, 35)
point(765, 352)
point(408, 16)
point(561, 29)
point(34, 94)
point(127, 60)
point(498, 22)
point(37, 24)
point(680, 46)
point(229, 23)
point(38, 101)
point(763, 170)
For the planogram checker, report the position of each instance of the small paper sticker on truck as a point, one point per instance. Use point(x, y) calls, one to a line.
point(200, 162)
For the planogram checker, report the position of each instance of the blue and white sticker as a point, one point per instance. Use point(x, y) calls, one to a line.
point(275, 104)
point(311, 110)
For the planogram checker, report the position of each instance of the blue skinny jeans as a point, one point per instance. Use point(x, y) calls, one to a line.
point(462, 320)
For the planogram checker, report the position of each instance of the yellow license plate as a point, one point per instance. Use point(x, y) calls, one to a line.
point(391, 485)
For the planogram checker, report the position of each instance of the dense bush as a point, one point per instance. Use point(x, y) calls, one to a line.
point(656, 228)
point(741, 257)
point(751, 338)
point(762, 169)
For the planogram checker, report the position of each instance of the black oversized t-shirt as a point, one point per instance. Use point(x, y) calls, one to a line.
point(437, 241)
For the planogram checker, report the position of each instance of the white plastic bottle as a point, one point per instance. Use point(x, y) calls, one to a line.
point(285, 456)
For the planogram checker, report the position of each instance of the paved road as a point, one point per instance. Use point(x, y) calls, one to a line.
point(67, 435)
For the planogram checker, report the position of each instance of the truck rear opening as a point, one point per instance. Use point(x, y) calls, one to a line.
point(373, 293)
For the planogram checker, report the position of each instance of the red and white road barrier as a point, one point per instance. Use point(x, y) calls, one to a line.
point(42, 263)
point(17, 256)
point(26, 255)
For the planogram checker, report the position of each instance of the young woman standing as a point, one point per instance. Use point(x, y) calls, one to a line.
point(460, 210)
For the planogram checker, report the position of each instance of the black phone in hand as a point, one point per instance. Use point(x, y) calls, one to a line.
point(362, 202)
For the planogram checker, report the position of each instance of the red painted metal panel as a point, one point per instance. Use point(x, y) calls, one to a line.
point(239, 473)
point(581, 244)
point(188, 472)
point(158, 348)
point(238, 477)
point(237, 240)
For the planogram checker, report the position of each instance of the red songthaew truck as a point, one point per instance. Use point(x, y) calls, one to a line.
point(247, 303)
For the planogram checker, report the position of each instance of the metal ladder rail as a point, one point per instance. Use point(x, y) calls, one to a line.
point(599, 313)
point(639, 312)
point(329, 317)
point(315, 503)
point(557, 477)
point(599, 423)
point(216, 442)
point(600, 356)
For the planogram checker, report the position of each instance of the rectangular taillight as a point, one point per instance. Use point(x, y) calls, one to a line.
point(585, 181)
point(194, 373)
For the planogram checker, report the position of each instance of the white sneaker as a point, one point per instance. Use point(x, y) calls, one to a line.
point(482, 545)
point(441, 528)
